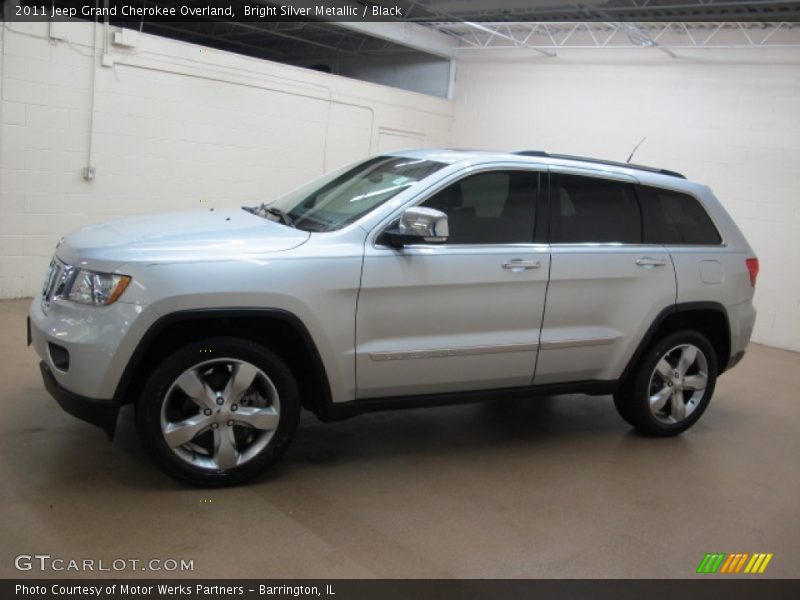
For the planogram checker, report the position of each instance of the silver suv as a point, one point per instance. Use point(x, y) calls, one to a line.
point(420, 277)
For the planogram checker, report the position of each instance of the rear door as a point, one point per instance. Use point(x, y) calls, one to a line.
point(464, 315)
point(606, 285)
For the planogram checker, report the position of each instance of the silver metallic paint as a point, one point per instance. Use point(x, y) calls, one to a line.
point(359, 299)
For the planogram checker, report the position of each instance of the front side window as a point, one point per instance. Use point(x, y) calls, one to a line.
point(592, 210)
point(344, 196)
point(674, 218)
point(497, 207)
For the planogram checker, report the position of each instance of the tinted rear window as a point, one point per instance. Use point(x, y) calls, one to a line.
point(591, 210)
point(671, 217)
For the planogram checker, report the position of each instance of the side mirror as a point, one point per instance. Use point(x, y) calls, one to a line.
point(418, 225)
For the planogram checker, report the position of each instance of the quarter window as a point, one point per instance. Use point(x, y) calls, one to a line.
point(497, 207)
point(674, 218)
point(592, 210)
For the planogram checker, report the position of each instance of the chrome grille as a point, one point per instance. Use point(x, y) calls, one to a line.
point(58, 277)
point(50, 279)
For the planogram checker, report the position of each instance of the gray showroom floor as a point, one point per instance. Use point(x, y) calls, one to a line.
point(550, 487)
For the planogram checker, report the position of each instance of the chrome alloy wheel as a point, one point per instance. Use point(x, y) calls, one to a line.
point(678, 383)
point(220, 414)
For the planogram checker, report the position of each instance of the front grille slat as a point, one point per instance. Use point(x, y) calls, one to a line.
point(54, 272)
point(54, 278)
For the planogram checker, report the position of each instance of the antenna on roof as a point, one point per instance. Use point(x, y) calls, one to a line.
point(635, 148)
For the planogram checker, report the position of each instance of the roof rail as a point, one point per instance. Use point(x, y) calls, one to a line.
point(599, 161)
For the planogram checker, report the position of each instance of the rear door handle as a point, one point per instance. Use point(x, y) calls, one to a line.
point(518, 264)
point(647, 261)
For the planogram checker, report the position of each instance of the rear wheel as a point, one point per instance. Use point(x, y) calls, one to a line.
point(218, 412)
point(672, 386)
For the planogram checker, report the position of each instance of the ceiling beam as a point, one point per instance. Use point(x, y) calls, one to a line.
point(411, 35)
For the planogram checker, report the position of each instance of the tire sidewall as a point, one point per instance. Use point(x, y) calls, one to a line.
point(148, 410)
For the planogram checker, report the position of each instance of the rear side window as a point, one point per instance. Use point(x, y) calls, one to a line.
point(591, 210)
point(671, 217)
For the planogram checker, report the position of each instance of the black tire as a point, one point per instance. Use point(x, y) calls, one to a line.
point(632, 400)
point(273, 371)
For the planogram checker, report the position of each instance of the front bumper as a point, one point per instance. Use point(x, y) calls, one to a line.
point(102, 413)
point(98, 340)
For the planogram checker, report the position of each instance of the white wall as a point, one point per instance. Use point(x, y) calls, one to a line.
point(730, 119)
point(176, 126)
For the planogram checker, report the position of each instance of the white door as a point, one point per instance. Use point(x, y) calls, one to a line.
point(464, 315)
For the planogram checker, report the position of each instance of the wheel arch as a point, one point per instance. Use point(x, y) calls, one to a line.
point(709, 318)
point(172, 331)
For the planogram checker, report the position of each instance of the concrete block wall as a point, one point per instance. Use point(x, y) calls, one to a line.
point(177, 126)
point(727, 118)
point(171, 126)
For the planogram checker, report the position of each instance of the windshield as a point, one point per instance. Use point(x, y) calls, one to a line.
point(341, 197)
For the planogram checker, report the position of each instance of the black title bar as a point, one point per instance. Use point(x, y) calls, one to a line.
point(400, 10)
point(394, 589)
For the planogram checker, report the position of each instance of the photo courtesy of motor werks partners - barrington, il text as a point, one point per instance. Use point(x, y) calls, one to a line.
point(163, 589)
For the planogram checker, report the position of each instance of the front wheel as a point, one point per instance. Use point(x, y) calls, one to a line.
point(672, 387)
point(218, 412)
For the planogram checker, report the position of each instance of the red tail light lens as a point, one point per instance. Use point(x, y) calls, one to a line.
point(752, 267)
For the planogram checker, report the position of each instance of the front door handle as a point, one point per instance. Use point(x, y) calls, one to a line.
point(647, 261)
point(518, 264)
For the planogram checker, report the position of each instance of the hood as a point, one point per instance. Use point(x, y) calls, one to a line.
point(217, 235)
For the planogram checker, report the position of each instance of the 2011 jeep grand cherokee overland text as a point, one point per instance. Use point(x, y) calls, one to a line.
point(417, 278)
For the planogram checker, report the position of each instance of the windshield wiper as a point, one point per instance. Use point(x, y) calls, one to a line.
point(263, 210)
point(283, 216)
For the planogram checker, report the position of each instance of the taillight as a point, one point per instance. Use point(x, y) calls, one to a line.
point(752, 268)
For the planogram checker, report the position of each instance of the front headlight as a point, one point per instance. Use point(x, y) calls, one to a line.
point(91, 287)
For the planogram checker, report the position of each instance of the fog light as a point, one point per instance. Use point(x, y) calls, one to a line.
point(59, 356)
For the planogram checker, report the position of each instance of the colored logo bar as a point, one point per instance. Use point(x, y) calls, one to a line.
point(737, 562)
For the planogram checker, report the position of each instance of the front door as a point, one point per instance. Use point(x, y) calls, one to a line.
point(464, 315)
